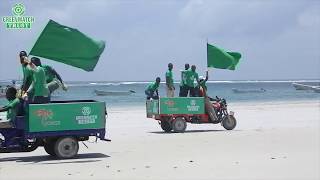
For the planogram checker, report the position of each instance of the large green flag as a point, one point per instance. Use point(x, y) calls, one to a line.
point(219, 58)
point(68, 45)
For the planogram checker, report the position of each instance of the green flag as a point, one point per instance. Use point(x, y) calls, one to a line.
point(218, 58)
point(68, 45)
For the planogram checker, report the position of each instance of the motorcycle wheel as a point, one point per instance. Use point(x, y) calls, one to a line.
point(229, 122)
point(165, 125)
point(179, 125)
point(66, 147)
point(49, 148)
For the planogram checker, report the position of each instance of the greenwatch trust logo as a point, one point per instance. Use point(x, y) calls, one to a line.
point(18, 20)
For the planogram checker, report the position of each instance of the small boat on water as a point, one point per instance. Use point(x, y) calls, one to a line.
point(299, 86)
point(113, 93)
point(261, 90)
point(306, 87)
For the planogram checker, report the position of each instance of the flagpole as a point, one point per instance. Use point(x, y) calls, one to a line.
point(207, 54)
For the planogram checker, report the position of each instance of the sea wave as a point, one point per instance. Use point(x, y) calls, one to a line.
point(266, 81)
point(94, 84)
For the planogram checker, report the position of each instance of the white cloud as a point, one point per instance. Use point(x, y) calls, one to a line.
point(143, 36)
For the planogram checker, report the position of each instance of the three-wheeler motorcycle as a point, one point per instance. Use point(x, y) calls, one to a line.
point(175, 113)
point(57, 126)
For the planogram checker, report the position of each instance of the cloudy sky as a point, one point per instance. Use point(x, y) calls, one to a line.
point(278, 39)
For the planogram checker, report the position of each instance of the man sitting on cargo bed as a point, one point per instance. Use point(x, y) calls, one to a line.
point(13, 108)
point(152, 89)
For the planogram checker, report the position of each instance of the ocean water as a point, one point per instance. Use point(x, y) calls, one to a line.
point(276, 91)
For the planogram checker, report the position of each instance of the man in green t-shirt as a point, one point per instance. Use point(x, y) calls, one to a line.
point(13, 107)
point(183, 84)
point(39, 85)
point(202, 82)
point(27, 74)
point(191, 76)
point(169, 81)
point(152, 89)
point(53, 79)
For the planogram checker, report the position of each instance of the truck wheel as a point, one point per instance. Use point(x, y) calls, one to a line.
point(229, 122)
point(165, 125)
point(179, 125)
point(49, 148)
point(66, 147)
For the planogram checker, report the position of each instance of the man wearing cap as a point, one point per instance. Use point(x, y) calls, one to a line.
point(27, 73)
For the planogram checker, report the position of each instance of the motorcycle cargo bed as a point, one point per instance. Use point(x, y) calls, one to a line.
point(176, 105)
point(66, 115)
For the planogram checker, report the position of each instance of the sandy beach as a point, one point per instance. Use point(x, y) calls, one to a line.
point(271, 141)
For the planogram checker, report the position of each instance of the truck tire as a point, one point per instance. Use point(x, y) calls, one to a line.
point(229, 122)
point(66, 147)
point(179, 125)
point(49, 148)
point(165, 125)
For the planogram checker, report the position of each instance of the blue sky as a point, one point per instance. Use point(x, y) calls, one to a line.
point(277, 39)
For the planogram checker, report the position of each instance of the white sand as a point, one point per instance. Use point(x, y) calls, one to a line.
point(271, 141)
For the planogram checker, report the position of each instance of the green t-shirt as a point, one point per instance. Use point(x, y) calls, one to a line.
point(153, 86)
point(184, 77)
point(12, 111)
point(27, 75)
point(39, 82)
point(190, 77)
point(49, 75)
point(169, 75)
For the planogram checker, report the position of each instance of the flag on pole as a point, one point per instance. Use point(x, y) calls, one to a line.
point(68, 45)
point(219, 58)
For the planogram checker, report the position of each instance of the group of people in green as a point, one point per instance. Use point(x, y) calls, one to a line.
point(191, 83)
point(39, 81)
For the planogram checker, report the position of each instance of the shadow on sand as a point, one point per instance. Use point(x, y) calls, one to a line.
point(80, 158)
point(188, 131)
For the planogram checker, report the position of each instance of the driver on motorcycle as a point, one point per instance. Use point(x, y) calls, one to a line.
point(13, 107)
point(203, 93)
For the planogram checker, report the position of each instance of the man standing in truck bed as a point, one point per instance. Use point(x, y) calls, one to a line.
point(53, 79)
point(192, 75)
point(169, 81)
point(183, 84)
